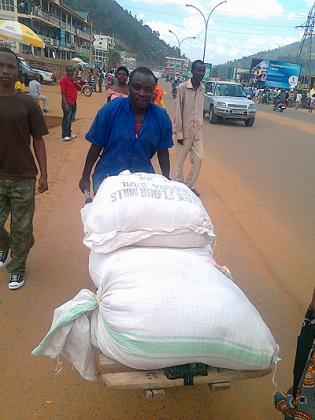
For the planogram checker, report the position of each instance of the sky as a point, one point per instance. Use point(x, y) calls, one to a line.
point(236, 29)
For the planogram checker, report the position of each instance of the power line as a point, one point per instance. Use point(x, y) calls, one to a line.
point(240, 33)
point(296, 17)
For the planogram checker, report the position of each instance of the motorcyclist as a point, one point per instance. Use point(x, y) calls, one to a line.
point(281, 99)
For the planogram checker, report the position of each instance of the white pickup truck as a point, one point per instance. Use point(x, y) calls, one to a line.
point(228, 101)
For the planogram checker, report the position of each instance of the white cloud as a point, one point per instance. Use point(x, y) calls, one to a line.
point(235, 8)
point(221, 47)
point(258, 10)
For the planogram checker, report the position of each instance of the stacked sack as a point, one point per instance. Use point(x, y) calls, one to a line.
point(161, 299)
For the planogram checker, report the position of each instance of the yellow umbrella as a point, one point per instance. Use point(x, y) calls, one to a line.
point(16, 31)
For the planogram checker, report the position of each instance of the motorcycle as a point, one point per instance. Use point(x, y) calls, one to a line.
point(280, 107)
point(86, 87)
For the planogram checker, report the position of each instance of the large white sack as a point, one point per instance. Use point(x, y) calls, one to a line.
point(100, 265)
point(147, 210)
point(166, 307)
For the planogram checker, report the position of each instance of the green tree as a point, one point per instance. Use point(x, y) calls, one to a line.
point(114, 59)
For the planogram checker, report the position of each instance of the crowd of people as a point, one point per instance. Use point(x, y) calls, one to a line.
point(291, 97)
point(127, 132)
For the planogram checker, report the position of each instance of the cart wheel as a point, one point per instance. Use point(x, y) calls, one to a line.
point(154, 394)
point(221, 386)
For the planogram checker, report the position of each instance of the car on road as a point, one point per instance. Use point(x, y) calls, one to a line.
point(26, 73)
point(228, 101)
point(43, 74)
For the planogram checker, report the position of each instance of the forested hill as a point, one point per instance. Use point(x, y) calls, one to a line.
point(110, 18)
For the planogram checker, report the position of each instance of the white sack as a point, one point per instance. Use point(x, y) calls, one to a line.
point(147, 210)
point(157, 308)
point(166, 307)
point(101, 265)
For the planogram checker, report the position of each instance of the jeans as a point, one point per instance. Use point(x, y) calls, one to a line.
point(68, 118)
point(18, 198)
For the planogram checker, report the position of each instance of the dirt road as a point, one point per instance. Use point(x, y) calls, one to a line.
point(254, 244)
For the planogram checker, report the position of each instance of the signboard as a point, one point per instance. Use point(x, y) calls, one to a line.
point(62, 38)
point(208, 72)
point(277, 74)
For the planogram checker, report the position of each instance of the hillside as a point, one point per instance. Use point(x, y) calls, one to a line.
point(286, 53)
point(110, 18)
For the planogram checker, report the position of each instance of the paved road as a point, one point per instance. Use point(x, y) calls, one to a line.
point(274, 163)
point(257, 184)
point(300, 114)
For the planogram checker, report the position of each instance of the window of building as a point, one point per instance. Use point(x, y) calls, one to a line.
point(7, 5)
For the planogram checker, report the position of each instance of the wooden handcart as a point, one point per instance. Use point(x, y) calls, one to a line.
point(154, 382)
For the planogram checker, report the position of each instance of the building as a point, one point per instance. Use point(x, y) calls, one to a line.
point(102, 44)
point(66, 33)
point(176, 66)
point(127, 60)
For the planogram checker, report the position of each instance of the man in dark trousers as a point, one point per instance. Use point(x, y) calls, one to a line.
point(127, 133)
point(20, 119)
point(69, 92)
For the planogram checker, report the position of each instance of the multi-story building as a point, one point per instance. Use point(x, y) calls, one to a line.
point(101, 46)
point(176, 66)
point(127, 60)
point(66, 33)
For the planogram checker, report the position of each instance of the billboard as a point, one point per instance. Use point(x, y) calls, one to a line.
point(278, 74)
point(208, 72)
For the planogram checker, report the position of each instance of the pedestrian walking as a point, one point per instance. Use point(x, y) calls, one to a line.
point(299, 401)
point(298, 100)
point(120, 89)
point(69, 92)
point(312, 103)
point(127, 133)
point(100, 79)
point(158, 94)
point(20, 119)
point(34, 89)
point(91, 79)
point(188, 125)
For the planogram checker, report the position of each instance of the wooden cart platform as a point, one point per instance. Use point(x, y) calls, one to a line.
point(117, 376)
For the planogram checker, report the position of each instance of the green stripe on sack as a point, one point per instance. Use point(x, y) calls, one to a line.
point(67, 319)
point(199, 347)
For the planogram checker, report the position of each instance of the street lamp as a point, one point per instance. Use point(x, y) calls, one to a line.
point(181, 41)
point(206, 20)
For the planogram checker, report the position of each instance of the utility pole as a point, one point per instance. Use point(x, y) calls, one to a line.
point(206, 20)
point(179, 42)
point(309, 32)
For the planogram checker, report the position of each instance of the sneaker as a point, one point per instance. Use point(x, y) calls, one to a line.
point(16, 281)
point(73, 136)
point(66, 138)
point(3, 257)
point(193, 189)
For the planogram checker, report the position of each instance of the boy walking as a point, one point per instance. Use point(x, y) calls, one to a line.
point(20, 118)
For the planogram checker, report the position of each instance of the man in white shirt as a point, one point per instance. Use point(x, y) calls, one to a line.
point(34, 91)
point(298, 100)
point(188, 125)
